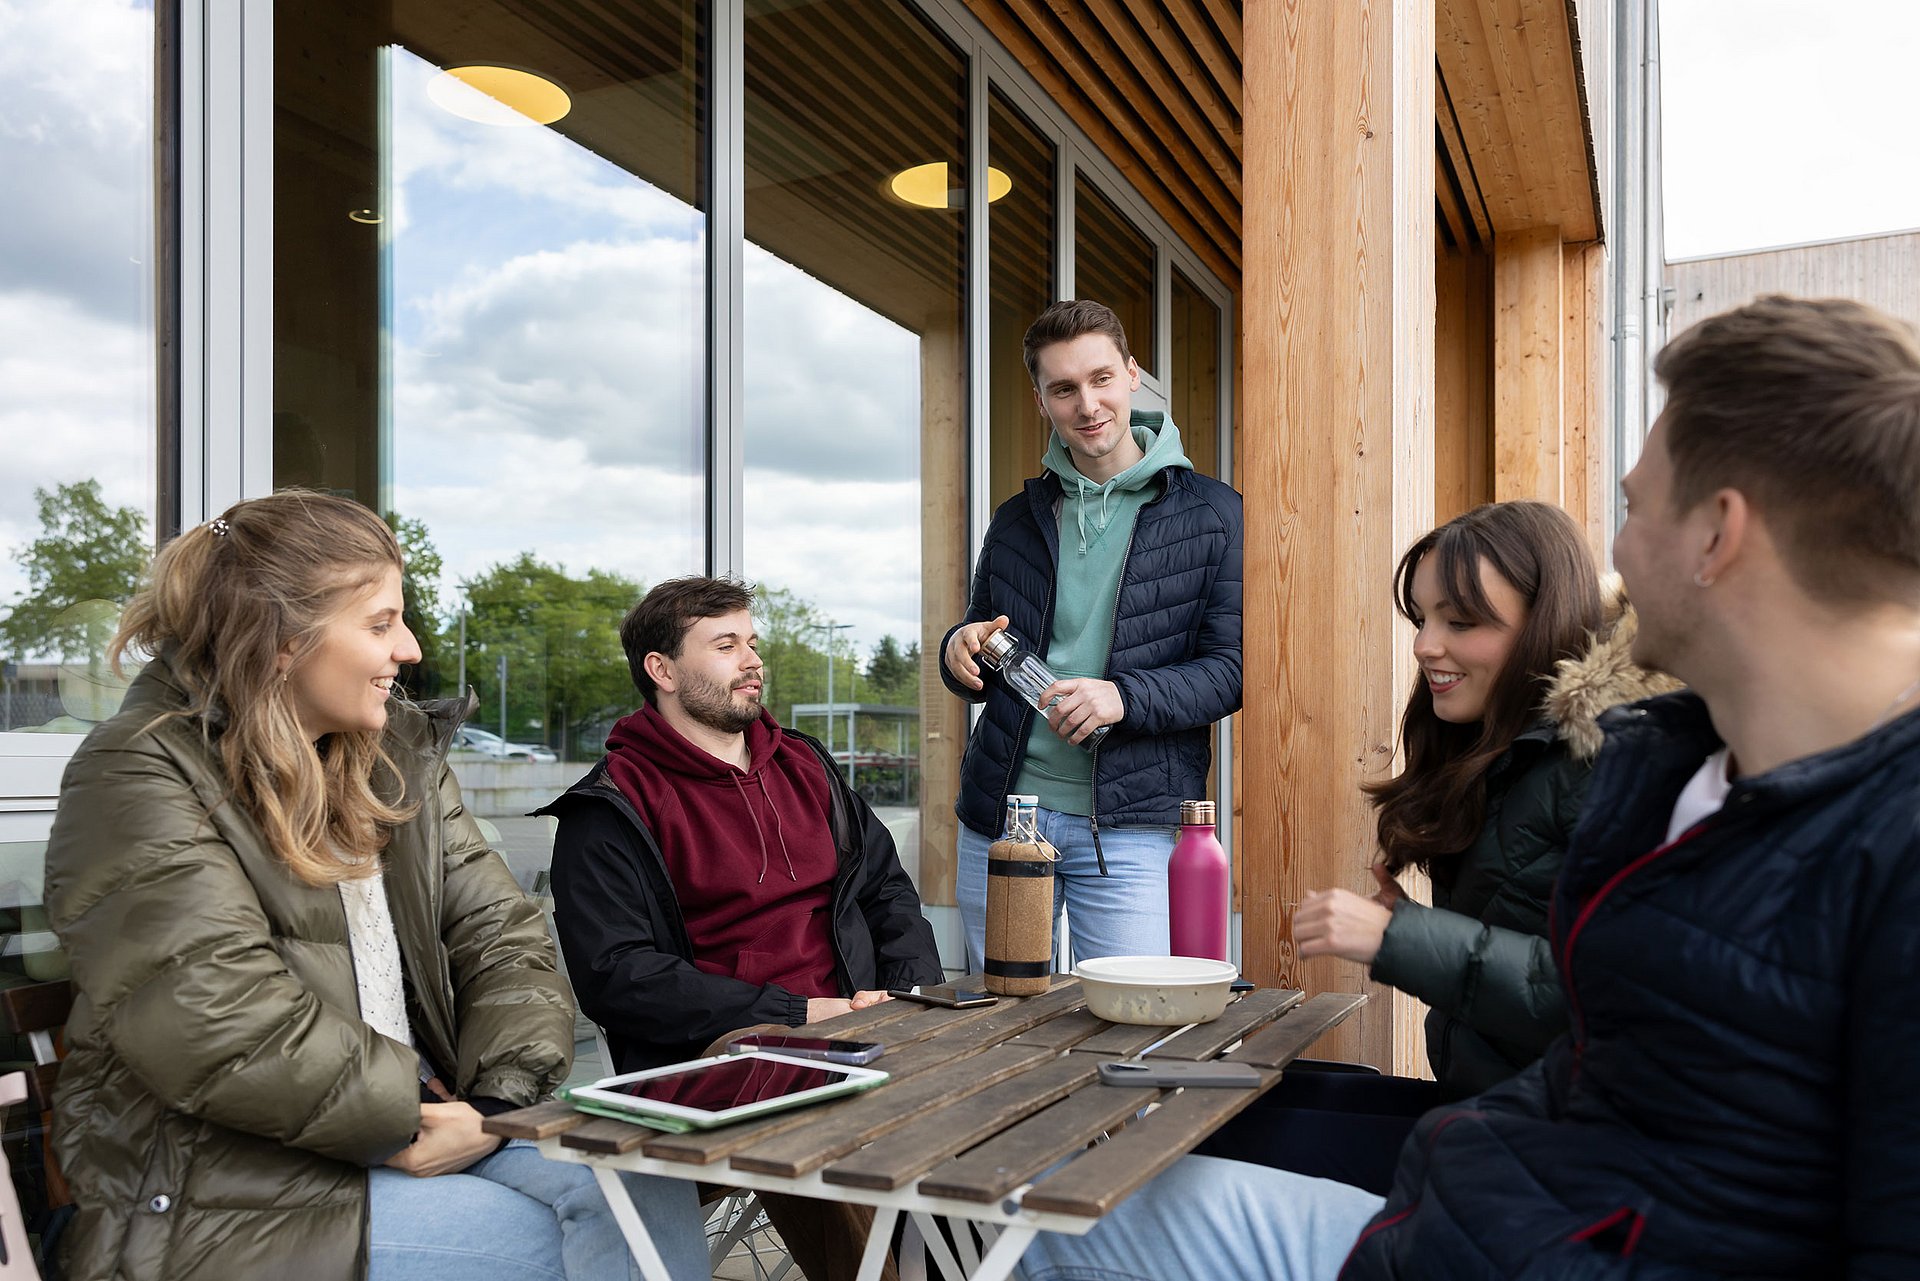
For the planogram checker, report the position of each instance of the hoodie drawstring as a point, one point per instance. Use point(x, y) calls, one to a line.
point(779, 828)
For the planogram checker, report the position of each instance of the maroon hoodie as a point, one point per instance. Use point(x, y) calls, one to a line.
point(750, 852)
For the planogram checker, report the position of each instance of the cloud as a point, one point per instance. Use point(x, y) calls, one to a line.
point(76, 144)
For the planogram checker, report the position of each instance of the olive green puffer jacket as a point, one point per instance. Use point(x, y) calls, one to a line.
point(1479, 956)
point(222, 1098)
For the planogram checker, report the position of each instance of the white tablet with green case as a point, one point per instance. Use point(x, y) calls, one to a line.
point(720, 1090)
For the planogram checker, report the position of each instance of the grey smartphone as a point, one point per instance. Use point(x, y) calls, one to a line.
point(1137, 1072)
point(959, 999)
point(853, 1053)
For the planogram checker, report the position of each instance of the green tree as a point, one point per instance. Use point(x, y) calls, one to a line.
point(87, 550)
point(566, 673)
point(893, 676)
point(420, 589)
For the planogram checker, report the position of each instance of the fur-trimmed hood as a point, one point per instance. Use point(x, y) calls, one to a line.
point(1605, 676)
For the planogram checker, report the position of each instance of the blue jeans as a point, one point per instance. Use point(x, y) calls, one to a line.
point(516, 1216)
point(1215, 1219)
point(1123, 913)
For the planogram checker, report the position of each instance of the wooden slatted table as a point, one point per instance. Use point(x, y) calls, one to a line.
point(992, 1115)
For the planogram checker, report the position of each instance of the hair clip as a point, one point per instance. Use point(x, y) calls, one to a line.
point(220, 527)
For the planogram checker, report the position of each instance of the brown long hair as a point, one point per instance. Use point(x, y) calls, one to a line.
point(1430, 813)
point(221, 603)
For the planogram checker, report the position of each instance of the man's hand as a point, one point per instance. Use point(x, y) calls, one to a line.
point(1081, 705)
point(964, 644)
point(822, 1008)
point(861, 1000)
point(1340, 923)
point(450, 1140)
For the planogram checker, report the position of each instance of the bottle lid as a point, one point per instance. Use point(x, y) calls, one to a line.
point(1197, 813)
point(998, 647)
point(1016, 798)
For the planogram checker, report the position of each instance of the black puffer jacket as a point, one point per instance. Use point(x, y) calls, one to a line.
point(1175, 655)
point(626, 942)
point(1479, 956)
point(1738, 1094)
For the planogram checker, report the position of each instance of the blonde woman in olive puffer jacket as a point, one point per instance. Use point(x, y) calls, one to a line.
point(302, 976)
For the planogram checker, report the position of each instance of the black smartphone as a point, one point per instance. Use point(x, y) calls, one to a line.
point(1241, 985)
point(853, 1053)
point(960, 999)
point(1170, 1074)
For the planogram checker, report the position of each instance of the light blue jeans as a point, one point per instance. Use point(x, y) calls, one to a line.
point(516, 1216)
point(1123, 913)
point(1215, 1219)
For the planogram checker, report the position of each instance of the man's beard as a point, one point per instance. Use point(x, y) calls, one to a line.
point(714, 705)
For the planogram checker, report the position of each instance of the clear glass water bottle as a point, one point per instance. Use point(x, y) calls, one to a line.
point(1026, 676)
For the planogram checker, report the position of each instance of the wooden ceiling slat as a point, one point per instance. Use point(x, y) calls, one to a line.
point(1223, 114)
point(1145, 58)
point(1090, 83)
point(1226, 16)
point(1118, 50)
point(1458, 161)
point(1509, 67)
point(1451, 217)
point(1221, 62)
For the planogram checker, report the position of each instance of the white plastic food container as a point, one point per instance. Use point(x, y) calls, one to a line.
point(1159, 991)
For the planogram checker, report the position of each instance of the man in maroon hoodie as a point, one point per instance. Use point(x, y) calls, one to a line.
point(714, 871)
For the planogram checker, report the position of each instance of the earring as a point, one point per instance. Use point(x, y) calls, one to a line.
point(1701, 580)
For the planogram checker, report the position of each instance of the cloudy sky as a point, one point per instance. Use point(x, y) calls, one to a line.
point(1788, 120)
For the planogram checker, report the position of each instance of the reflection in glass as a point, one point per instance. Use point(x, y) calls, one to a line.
point(1021, 283)
point(1113, 264)
point(496, 335)
point(77, 345)
point(1193, 392)
point(855, 407)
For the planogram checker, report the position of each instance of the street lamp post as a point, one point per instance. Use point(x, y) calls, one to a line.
point(830, 628)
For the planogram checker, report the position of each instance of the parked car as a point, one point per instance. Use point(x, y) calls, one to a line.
point(490, 744)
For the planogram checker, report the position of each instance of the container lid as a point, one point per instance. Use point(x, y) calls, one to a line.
point(1152, 971)
point(1017, 798)
point(998, 647)
point(1195, 813)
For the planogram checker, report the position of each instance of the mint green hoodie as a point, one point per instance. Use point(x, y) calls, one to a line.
point(1096, 529)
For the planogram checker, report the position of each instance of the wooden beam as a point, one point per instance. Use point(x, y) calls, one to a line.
point(943, 594)
point(1221, 62)
point(1118, 49)
point(1459, 164)
point(1583, 466)
point(1528, 360)
point(1510, 70)
point(1177, 202)
point(1338, 304)
point(1223, 113)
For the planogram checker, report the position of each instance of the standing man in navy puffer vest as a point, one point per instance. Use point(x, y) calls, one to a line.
point(1120, 566)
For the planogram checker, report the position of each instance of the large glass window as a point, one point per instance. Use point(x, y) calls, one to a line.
point(1020, 260)
point(77, 354)
point(489, 307)
point(856, 419)
point(1113, 263)
point(1193, 389)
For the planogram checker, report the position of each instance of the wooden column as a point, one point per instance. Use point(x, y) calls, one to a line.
point(1527, 364)
point(1584, 435)
point(944, 571)
point(1337, 455)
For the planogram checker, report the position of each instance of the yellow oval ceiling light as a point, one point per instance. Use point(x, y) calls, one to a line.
point(927, 186)
point(494, 95)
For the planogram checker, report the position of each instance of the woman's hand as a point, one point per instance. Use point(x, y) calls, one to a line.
point(449, 1141)
point(1341, 923)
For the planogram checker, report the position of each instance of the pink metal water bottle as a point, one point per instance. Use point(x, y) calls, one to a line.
point(1199, 886)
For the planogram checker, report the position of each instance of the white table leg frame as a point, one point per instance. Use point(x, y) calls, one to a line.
point(639, 1240)
point(1017, 1226)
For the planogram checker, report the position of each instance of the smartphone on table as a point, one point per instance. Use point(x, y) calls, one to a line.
point(958, 998)
point(808, 1047)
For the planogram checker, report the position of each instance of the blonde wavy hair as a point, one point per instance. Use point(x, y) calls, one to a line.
point(221, 604)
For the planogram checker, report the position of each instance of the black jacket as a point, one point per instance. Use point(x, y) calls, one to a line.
point(1740, 1091)
point(626, 944)
point(1175, 654)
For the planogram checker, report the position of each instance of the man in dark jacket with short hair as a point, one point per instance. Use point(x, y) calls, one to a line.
point(1735, 926)
point(1120, 566)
